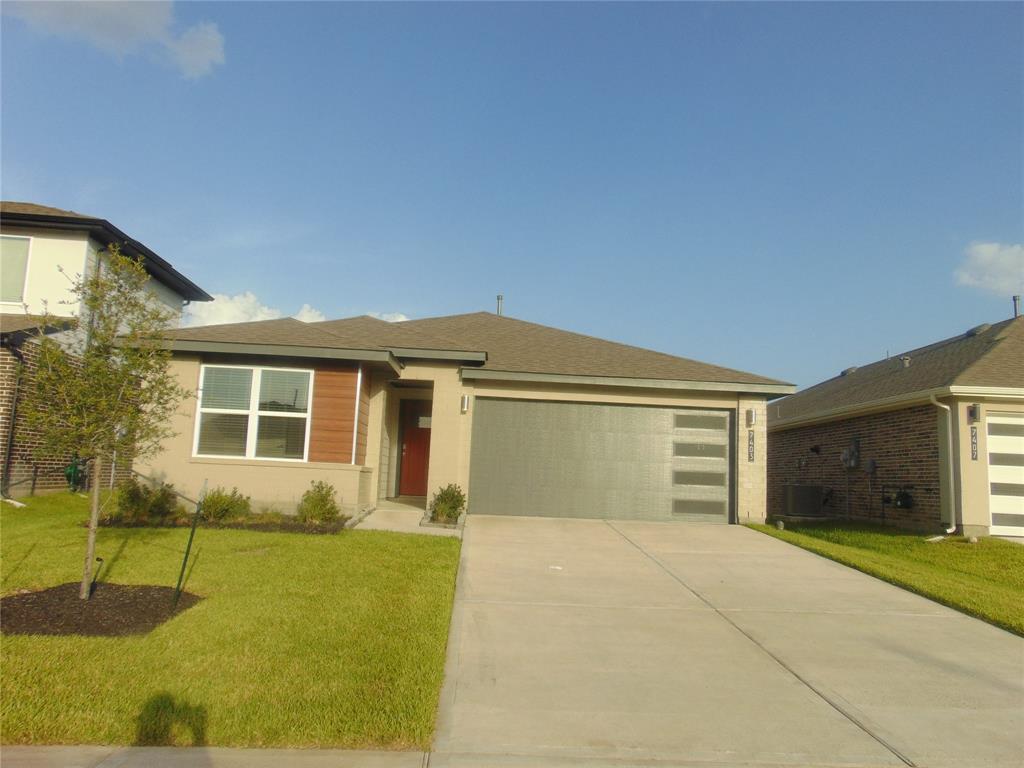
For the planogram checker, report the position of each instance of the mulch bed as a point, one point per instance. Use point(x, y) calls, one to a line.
point(284, 526)
point(114, 610)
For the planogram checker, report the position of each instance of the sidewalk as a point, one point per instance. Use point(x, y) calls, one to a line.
point(203, 757)
point(401, 518)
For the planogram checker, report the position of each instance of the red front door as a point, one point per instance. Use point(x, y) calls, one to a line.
point(414, 427)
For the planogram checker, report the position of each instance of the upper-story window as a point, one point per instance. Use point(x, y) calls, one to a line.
point(13, 268)
point(253, 413)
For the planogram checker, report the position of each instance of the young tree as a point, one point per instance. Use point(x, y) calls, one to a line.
point(104, 388)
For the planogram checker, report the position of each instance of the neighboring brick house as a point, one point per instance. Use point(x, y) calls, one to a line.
point(875, 443)
point(41, 250)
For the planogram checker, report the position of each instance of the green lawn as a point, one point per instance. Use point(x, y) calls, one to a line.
point(984, 579)
point(300, 641)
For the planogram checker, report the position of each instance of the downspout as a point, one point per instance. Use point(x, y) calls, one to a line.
point(950, 474)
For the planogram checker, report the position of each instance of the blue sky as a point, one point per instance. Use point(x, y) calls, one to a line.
point(784, 188)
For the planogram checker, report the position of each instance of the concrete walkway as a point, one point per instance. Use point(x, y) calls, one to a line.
point(588, 643)
point(401, 518)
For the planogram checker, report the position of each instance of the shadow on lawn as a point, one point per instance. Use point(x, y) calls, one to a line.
point(17, 565)
point(161, 713)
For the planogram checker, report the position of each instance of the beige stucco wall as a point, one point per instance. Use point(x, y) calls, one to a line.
point(280, 484)
point(450, 440)
point(274, 484)
point(45, 287)
point(971, 476)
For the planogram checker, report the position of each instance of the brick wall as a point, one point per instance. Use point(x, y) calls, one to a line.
point(28, 473)
point(905, 445)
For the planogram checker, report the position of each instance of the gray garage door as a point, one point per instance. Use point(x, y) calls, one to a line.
point(555, 459)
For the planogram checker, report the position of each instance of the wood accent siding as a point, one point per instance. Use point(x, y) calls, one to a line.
point(334, 405)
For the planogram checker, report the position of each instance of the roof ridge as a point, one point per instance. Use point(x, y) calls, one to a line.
point(998, 338)
point(647, 350)
point(49, 210)
point(950, 340)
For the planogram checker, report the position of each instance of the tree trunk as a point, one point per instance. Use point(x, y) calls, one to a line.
point(94, 520)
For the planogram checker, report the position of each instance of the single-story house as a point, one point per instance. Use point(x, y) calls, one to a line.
point(527, 419)
point(42, 249)
point(930, 438)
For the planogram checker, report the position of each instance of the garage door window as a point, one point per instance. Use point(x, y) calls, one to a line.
point(700, 450)
point(698, 478)
point(700, 421)
point(697, 508)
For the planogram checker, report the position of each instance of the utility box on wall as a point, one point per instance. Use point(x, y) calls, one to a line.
point(804, 500)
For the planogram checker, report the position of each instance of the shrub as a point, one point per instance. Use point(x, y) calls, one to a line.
point(221, 506)
point(137, 502)
point(447, 504)
point(319, 504)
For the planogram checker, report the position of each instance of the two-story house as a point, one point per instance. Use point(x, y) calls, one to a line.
point(42, 250)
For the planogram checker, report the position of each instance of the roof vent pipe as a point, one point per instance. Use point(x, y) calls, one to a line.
point(501, 300)
point(1016, 306)
point(905, 360)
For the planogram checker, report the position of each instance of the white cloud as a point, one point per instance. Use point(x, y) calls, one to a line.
point(391, 317)
point(120, 28)
point(198, 50)
point(309, 315)
point(246, 308)
point(994, 267)
point(241, 308)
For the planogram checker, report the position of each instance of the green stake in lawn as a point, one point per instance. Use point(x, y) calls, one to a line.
point(188, 547)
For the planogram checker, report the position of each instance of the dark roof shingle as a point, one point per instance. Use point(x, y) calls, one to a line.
point(510, 345)
point(988, 356)
point(11, 322)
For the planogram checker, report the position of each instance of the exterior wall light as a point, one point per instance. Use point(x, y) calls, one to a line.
point(464, 404)
point(751, 417)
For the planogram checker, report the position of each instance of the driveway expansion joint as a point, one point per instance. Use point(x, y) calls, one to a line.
point(857, 721)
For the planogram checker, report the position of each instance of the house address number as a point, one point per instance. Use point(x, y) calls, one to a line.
point(750, 445)
point(974, 443)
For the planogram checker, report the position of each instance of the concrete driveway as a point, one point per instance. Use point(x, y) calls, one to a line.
point(578, 642)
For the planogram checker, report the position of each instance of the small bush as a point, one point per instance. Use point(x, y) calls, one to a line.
point(447, 504)
point(319, 504)
point(137, 502)
point(221, 506)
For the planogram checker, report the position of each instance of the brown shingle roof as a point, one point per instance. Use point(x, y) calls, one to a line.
point(34, 209)
point(18, 322)
point(510, 345)
point(989, 356)
point(285, 332)
point(520, 346)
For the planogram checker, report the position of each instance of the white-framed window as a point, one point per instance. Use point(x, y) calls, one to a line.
point(253, 412)
point(13, 268)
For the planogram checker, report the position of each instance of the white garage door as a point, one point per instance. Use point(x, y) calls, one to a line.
point(625, 462)
point(1006, 472)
